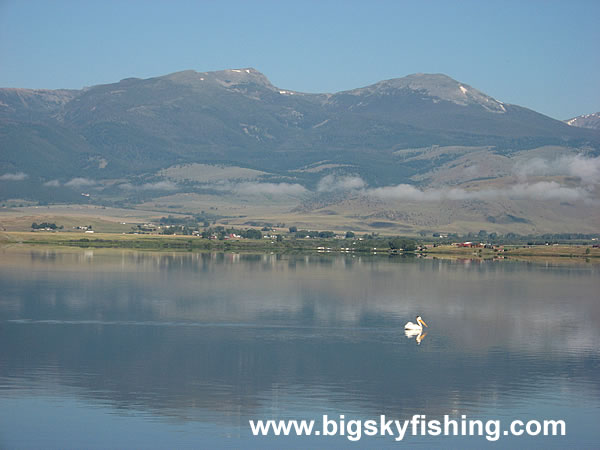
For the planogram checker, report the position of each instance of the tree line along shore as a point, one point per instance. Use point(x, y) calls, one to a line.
point(272, 240)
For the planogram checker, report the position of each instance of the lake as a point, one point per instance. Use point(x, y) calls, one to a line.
point(123, 349)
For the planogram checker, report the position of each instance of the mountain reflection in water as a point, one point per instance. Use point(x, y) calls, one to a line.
point(219, 338)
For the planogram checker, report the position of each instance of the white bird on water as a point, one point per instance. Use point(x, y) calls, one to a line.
point(415, 326)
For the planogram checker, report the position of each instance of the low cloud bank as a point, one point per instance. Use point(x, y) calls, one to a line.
point(156, 186)
point(586, 169)
point(73, 183)
point(258, 188)
point(331, 183)
point(80, 182)
point(268, 188)
point(543, 190)
point(19, 176)
point(580, 166)
point(242, 188)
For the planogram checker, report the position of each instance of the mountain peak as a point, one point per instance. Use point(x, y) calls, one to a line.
point(226, 77)
point(437, 86)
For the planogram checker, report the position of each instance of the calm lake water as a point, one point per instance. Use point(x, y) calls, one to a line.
point(111, 349)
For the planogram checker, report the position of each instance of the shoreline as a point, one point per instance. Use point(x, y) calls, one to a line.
point(148, 242)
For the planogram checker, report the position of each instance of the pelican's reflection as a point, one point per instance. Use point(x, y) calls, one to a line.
point(417, 334)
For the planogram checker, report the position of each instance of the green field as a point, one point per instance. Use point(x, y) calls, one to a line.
point(519, 251)
point(378, 246)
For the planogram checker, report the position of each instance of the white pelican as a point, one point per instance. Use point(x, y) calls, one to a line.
point(415, 326)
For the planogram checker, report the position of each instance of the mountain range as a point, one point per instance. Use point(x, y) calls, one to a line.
point(142, 138)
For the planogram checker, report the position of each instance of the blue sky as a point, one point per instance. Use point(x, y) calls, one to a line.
point(540, 54)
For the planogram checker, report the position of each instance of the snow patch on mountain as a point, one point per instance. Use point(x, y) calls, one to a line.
point(585, 121)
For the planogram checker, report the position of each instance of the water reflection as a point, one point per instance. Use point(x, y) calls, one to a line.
point(417, 334)
point(222, 337)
